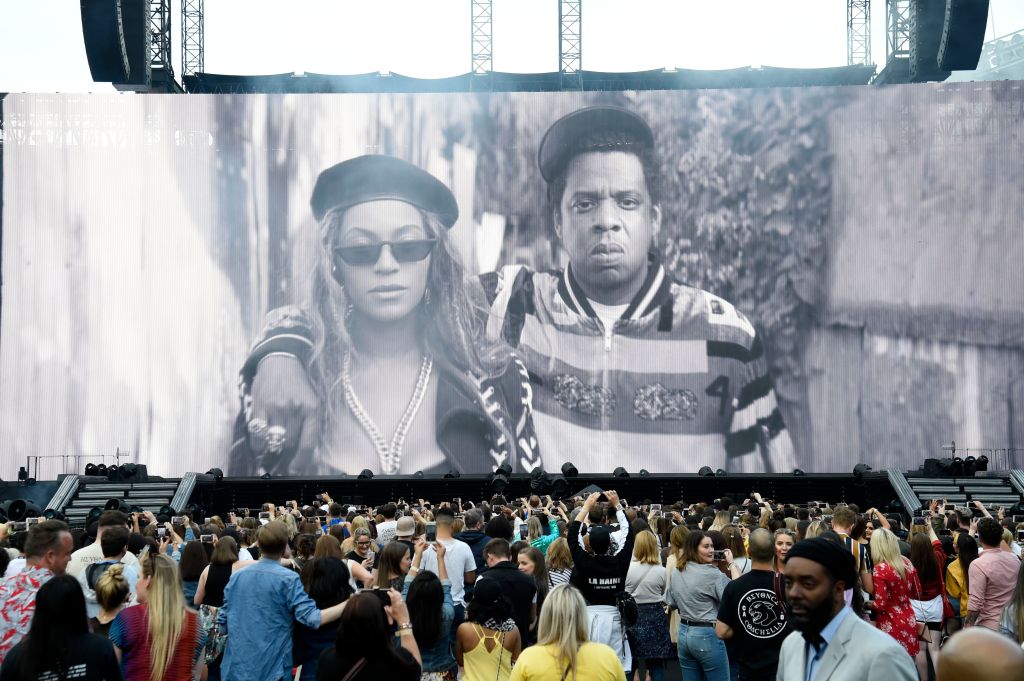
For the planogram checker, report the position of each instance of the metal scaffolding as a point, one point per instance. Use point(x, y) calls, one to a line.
point(481, 37)
point(570, 43)
point(160, 36)
point(858, 32)
point(897, 30)
point(191, 37)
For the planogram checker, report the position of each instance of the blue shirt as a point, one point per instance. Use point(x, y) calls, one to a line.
point(813, 659)
point(260, 603)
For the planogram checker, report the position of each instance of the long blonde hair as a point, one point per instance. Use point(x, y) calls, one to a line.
point(452, 324)
point(645, 549)
point(563, 624)
point(165, 602)
point(886, 549)
point(722, 519)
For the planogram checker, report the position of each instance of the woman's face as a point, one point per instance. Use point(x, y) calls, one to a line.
point(868, 529)
point(706, 550)
point(406, 563)
point(363, 545)
point(525, 564)
point(386, 289)
point(783, 543)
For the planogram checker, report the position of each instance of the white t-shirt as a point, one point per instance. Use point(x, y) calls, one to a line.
point(458, 560)
point(93, 553)
point(15, 567)
point(608, 314)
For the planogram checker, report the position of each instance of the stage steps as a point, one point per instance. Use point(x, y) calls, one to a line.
point(149, 496)
point(992, 491)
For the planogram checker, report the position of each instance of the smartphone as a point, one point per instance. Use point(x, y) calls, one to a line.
point(206, 538)
point(383, 595)
point(322, 519)
point(735, 520)
point(495, 508)
point(161, 532)
point(655, 507)
point(918, 520)
point(29, 522)
point(944, 533)
point(264, 515)
point(178, 520)
point(1020, 535)
point(522, 531)
point(457, 500)
point(231, 526)
point(431, 532)
point(244, 511)
point(1018, 519)
point(719, 555)
point(206, 521)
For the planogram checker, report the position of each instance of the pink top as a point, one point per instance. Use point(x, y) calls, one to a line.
point(993, 576)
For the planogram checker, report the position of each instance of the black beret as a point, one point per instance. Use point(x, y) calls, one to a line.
point(374, 177)
point(836, 558)
point(614, 125)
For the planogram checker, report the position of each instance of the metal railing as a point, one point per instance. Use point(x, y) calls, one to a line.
point(1017, 480)
point(52, 465)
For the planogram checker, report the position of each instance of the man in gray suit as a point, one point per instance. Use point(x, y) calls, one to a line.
point(831, 643)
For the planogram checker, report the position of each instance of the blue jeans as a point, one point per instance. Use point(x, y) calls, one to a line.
point(702, 655)
point(656, 668)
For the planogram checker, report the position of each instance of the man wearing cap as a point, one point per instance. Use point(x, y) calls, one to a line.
point(623, 360)
point(831, 643)
point(382, 369)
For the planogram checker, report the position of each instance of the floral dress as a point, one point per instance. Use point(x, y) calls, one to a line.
point(895, 616)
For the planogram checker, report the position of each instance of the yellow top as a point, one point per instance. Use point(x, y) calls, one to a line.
point(482, 664)
point(955, 585)
point(594, 662)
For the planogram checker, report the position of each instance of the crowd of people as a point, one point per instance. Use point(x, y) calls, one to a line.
point(532, 588)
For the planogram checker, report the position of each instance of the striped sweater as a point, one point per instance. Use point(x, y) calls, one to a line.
point(678, 383)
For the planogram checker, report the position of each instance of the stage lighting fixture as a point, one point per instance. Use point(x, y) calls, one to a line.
point(858, 473)
point(101, 470)
point(19, 509)
point(114, 474)
point(620, 472)
point(1017, 509)
point(114, 504)
point(53, 514)
point(720, 473)
point(560, 487)
point(452, 473)
point(895, 506)
point(706, 472)
point(798, 472)
point(499, 482)
point(137, 509)
point(540, 481)
point(644, 472)
point(167, 511)
point(982, 464)
point(22, 474)
point(569, 471)
point(94, 514)
point(970, 466)
point(505, 469)
point(265, 476)
point(365, 474)
point(91, 469)
point(956, 467)
point(217, 474)
point(418, 474)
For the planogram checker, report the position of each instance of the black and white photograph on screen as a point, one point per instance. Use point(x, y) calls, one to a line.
point(748, 280)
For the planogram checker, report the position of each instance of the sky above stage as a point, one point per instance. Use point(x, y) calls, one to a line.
point(41, 47)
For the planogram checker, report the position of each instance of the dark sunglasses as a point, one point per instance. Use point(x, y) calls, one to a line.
point(402, 251)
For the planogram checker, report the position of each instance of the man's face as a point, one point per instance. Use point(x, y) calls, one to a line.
point(57, 559)
point(811, 593)
point(607, 223)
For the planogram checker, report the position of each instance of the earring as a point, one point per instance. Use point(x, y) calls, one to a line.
point(348, 311)
point(426, 297)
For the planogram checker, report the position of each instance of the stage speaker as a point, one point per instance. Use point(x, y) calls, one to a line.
point(103, 31)
point(135, 29)
point(926, 21)
point(963, 33)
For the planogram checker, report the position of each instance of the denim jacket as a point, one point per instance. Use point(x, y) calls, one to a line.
point(438, 657)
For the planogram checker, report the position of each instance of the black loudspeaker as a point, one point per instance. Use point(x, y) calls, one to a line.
point(926, 20)
point(135, 29)
point(103, 31)
point(936, 468)
point(963, 33)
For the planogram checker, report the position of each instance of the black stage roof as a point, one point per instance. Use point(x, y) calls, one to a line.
point(677, 79)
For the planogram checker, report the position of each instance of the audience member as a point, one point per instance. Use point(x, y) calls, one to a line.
point(992, 578)
point(214, 577)
point(751, 615)
point(784, 540)
point(645, 582)
point(559, 563)
point(160, 638)
point(58, 644)
point(531, 563)
point(843, 520)
point(364, 649)
point(94, 552)
point(47, 552)
point(260, 604)
point(474, 537)
point(978, 654)
point(829, 637)
point(386, 531)
point(564, 651)
point(114, 545)
point(520, 589)
point(327, 581)
point(394, 562)
point(958, 573)
point(896, 583)
point(458, 558)
point(931, 610)
point(192, 564)
point(428, 597)
point(488, 643)
point(112, 592)
point(1011, 621)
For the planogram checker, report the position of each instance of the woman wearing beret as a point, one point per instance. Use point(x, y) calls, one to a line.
point(386, 368)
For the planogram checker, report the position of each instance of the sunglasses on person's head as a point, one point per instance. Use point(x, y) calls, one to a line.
point(411, 250)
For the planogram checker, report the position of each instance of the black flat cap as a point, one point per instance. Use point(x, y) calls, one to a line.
point(374, 177)
point(601, 128)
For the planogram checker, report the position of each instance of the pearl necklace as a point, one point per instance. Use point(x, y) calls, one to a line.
point(390, 455)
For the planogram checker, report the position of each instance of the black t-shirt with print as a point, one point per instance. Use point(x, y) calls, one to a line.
point(758, 620)
point(89, 658)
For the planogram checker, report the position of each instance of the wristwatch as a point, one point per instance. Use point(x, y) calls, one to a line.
point(405, 629)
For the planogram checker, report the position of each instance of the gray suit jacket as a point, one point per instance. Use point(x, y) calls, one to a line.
point(858, 652)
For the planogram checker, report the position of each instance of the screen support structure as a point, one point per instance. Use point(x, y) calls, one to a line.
point(570, 42)
point(897, 30)
point(481, 36)
point(858, 32)
point(160, 47)
point(192, 37)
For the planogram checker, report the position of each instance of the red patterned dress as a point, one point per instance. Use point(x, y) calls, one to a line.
point(895, 615)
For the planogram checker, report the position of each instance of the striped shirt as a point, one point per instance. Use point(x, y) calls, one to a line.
point(681, 378)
